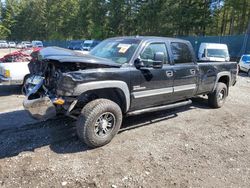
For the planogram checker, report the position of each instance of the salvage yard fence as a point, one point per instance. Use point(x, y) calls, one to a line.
point(59, 43)
point(237, 44)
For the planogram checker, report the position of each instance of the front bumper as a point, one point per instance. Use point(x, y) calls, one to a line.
point(37, 103)
point(41, 108)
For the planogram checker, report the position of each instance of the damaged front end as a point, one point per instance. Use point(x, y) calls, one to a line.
point(56, 74)
point(39, 102)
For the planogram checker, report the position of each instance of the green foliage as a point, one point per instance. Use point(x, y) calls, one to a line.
point(79, 19)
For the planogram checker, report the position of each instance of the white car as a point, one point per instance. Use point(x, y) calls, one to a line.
point(213, 52)
point(37, 43)
point(4, 44)
point(12, 45)
point(26, 44)
point(244, 64)
point(19, 46)
point(13, 73)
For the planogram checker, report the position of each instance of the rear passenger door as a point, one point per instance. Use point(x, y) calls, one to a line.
point(186, 70)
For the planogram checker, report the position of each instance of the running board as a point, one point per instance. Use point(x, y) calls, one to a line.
point(158, 108)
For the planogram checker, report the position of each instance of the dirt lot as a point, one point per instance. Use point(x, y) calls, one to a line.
point(193, 146)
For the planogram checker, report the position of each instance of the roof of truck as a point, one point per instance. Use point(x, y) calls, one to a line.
point(148, 38)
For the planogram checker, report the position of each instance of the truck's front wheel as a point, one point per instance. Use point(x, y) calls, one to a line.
point(218, 97)
point(99, 122)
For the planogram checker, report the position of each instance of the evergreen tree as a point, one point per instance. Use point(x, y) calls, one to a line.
point(99, 19)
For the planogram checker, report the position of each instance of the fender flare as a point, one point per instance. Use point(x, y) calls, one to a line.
point(82, 88)
point(219, 75)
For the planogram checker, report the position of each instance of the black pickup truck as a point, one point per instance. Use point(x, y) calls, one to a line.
point(120, 77)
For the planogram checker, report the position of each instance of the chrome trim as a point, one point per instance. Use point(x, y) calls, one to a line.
point(41, 108)
point(153, 92)
point(169, 74)
point(184, 87)
point(72, 105)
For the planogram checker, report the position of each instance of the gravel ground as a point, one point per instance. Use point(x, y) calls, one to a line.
point(193, 146)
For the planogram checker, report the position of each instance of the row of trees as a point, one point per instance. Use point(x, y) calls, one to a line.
point(78, 19)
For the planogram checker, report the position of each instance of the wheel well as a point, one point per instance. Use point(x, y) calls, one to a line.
point(225, 80)
point(114, 94)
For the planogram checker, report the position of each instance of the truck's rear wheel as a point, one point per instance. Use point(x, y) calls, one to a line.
point(99, 122)
point(218, 97)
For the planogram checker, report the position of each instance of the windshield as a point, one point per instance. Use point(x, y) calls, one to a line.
point(39, 43)
point(87, 44)
point(246, 58)
point(118, 50)
point(221, 53)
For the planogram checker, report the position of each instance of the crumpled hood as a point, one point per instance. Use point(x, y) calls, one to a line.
point(63, 55)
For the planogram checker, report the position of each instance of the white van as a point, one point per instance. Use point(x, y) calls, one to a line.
point(213, 52)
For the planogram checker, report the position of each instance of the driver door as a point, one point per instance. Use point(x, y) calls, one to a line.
point(152, 86)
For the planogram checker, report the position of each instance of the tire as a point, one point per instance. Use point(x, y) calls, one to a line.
point(218, 97)
point(99, 122)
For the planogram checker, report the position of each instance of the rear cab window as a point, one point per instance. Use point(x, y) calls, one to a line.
point(181, 53)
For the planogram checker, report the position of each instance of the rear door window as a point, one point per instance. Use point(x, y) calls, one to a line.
point(181, 53)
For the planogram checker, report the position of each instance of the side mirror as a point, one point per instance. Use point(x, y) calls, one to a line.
point(138, 63)
point(158, 60)
point(203, 55)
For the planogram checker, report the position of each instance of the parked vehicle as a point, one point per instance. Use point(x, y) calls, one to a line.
point(76, 45)
point(14, 67)
point(213, 52)
point(244, 63)
point(4, 44)
point(120, 77)
point(37, 44)
point(12, 44)
point(26, 44)
point(17, 56)
point(90, 44)
point(19, 46)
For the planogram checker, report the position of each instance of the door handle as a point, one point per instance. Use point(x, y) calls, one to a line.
point(169, 73)
point(192, 71)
